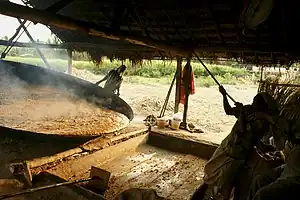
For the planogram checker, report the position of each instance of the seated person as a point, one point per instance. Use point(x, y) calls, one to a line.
point(282, 182)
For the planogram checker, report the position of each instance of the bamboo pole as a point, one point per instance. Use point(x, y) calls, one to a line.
point(187, 86)
point(163, 109)
point(59, 21)
point(178, 83)
point(212, 76)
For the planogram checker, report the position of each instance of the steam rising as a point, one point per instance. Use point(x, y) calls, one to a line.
point(45, 109)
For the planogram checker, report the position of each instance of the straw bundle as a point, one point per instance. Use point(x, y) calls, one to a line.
point(287, 98)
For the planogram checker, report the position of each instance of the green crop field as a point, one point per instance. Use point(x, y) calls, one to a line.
point(150, 71)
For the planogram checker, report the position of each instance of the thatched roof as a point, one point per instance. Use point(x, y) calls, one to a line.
point(211, 27)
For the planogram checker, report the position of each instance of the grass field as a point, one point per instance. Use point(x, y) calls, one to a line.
point(150, 71)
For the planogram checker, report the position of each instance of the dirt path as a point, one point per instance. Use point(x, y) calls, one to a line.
point(205, 107)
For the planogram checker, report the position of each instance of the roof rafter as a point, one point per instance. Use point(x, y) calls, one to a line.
point(59, 21)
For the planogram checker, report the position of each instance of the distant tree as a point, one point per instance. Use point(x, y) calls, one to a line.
point(5, 38)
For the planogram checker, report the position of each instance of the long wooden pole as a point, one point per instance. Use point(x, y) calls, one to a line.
point(178, 83)
point(163, 109)
point(59, 21)
point(70, 61)
point(212, 76)
point(187, 86)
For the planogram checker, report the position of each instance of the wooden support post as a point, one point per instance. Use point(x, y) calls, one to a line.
point(178, 83)
point(70, 61)
point(187, 87)
point(32, 40)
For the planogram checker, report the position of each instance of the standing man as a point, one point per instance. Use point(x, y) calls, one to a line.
point(113, 80)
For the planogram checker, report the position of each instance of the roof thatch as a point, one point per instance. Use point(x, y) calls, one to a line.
point(212, 28)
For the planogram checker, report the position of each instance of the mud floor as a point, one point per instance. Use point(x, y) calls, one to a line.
point(46, 110)
point(172, 175)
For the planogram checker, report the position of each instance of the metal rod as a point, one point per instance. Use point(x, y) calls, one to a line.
point(6, 196)
point(217, 82)
point(32, 40)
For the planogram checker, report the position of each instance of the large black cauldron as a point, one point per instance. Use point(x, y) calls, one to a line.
point(39, 76)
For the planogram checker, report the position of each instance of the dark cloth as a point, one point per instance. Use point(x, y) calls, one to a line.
point(113, 82)
point(270, 186)
point(263, 180)
point(255, 165)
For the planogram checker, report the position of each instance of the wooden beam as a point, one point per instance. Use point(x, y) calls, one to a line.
point(178, 83)
point(70, 61)
point(59, 5)
point(187, 87)
point(59, 21)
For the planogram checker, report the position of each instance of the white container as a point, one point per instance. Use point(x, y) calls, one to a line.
point(175, 124)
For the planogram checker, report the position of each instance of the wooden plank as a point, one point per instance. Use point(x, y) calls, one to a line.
point(182, 144)
point(190, 185)
point(143, 174)
point(175, 177)
point(48, 159)
point(74, 168)
point(101, 143)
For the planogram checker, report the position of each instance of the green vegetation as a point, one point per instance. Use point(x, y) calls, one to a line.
point(151, 71)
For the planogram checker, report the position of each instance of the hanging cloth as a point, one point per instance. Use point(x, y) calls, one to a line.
point(185, 77)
